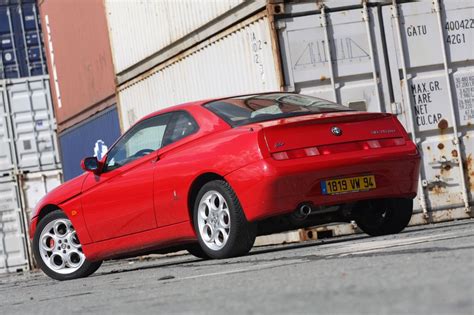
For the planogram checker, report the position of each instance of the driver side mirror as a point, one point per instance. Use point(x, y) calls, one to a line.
point(91, 164)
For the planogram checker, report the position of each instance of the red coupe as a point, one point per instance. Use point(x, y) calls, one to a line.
point(210, 176)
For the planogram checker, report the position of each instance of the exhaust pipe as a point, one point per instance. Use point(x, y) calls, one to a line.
point(303, 211)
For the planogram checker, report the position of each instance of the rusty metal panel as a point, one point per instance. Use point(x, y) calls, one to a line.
point(431, 54)
point(78, 54)
point(139, 29)
point(239, 60)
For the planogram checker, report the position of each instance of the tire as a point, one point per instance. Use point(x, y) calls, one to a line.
point(220, 224)
point(384, 216)
point(57, 249)
point(196, 251)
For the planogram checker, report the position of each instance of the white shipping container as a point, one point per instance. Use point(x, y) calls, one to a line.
point(6, 139)
point(13, 237)
point(19, 194)
point(431, 58)
point(140, 29)
point(380, 55)
point(27, 126)
point(239, 60)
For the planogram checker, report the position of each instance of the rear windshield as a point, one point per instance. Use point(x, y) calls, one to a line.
point(255, 108)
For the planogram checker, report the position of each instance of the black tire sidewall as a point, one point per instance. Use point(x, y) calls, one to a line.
point(240, 228)
point(85, 270)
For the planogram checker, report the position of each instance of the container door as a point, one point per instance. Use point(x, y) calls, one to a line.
point(33, 124)
point(13, 250)
point(6, 139)
point(336, 56)
point(431, 52)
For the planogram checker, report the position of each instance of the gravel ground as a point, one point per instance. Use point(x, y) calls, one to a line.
point(424, 270)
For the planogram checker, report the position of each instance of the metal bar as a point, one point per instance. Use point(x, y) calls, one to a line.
point(24, 39)
point(13, 40)
point(437, 8)
point(328, 52)
point(25, 219)
point(409, 107)
point(366, 18)
point(52, 119)
point(43, 63)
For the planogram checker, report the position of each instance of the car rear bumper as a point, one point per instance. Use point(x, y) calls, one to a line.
point(270, 187)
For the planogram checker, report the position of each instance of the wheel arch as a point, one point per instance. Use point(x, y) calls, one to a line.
point(45, 210)
point(198, 182)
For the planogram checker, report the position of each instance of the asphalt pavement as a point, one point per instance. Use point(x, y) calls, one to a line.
point(423, 270)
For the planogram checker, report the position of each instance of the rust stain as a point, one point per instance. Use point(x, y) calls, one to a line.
point(428, 148)
point(440, 146)
point(454, 153)
point(469, 172)
point(436, 189)
point(443, 124)
point(323, 78)
point(447, 167)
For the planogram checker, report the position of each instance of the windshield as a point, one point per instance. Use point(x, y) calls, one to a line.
point(255, 108)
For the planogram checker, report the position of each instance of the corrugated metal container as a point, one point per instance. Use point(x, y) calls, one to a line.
point(34, 186)
point(79, 57)
point(29, 112)
point(19, 194)
point(21, 47)
point(373, 49)
point(13, 237)
point(436, 93)
point(140, 29)
point(239, 60)
point(89, 138)
point(6, 135)
point(354, 75)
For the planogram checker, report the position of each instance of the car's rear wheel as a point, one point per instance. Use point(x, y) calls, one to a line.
point(220, 223)
point(383, 216)
point(58, 251)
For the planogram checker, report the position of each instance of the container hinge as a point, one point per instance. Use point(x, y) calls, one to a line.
point(280, 24)
point(396, 108)
point(437, 181)
point(443, 161)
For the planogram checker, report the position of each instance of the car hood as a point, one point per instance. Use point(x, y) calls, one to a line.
point(60, 194)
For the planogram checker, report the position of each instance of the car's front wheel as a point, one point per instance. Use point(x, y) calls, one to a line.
point(220, 224)
point(383, 216)
point(58, 251)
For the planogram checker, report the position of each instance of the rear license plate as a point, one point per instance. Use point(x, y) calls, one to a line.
point(349, 184)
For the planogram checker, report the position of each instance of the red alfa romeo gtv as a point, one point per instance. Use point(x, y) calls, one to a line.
point(210, 176)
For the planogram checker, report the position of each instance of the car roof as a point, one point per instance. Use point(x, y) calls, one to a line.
point(189, 105)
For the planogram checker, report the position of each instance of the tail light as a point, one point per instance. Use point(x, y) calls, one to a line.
point(338, 148)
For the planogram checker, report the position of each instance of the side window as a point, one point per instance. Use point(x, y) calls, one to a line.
point(181, 126)
point(142, 139)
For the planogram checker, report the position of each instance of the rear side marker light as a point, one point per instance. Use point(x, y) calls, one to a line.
point(338, 148)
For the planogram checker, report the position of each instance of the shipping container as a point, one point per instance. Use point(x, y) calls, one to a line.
point(152, 25)
point(79, 58)
point(91, 137)
point(29, 117)
point(436, 93)
point(415, 60)
point(21, 47)
point(145, 34)
point(19, 194)
point(237, 61)
point(13, 237)
point(7, 152)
